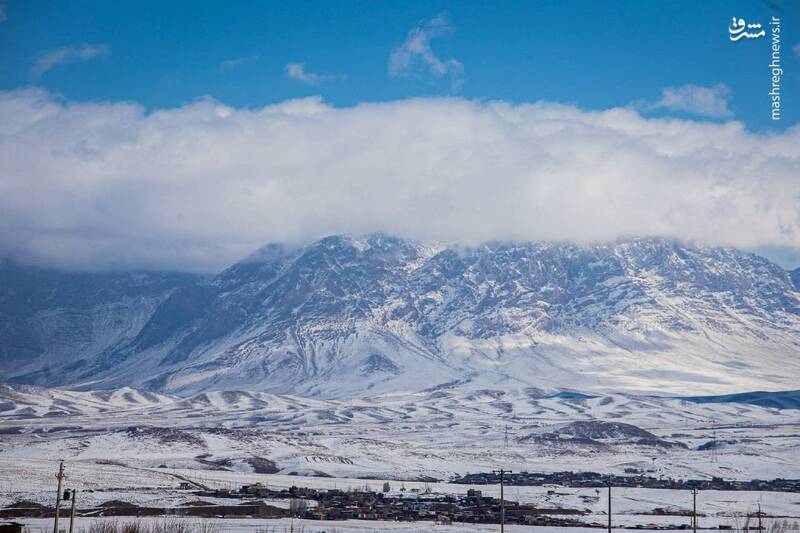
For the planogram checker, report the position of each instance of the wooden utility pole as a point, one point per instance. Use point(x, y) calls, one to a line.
point(502, 474)
point(74, 495)
point(60, 477)
point(760, 527)
point(694, 510)
point(609, 503)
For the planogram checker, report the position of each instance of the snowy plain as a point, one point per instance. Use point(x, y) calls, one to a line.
point(138, 447)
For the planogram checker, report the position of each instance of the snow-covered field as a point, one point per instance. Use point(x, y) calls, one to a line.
point(37, 525)
point(138, 447)
point(434, 434)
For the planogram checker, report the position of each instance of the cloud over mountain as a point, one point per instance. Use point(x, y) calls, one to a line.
point(110, 185)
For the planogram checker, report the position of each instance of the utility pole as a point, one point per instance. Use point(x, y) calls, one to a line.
point(760, 527)
point(74, 495)
point(694, 510)
point(609, 503)
point(502, 474)
point(714, 445)
point(60, 477)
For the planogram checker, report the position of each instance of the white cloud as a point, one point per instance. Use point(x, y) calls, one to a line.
point(230, 64)
point(703, 101)
point(68, 54)
point(3, 15)
point(796, 49)
point(416, 52)
point(107, 185)
point(297, 71)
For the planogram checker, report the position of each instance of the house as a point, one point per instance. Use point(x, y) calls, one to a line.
point(11, 527)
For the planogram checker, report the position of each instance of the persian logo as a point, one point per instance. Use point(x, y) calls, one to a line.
point(738, 27)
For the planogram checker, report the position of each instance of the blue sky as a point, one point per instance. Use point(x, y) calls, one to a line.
point(185, 135)
point(589, 53)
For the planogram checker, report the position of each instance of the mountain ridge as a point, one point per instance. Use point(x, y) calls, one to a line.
point(377, 314)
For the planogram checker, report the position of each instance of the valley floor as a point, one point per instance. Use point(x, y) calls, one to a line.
point(127, 447)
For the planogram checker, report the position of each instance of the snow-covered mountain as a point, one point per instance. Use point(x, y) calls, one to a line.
point(346, 317)
point(51, 319)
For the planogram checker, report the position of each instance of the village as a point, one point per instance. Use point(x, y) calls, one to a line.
point(411, 505)
point(634, 478)
point(418, 503)
point(253, 500)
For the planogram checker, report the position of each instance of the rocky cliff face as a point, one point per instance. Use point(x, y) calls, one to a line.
point(347, 316)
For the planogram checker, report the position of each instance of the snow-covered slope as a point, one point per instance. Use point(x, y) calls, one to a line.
point(28, 401)
point(354, 317)
point(425, 434)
